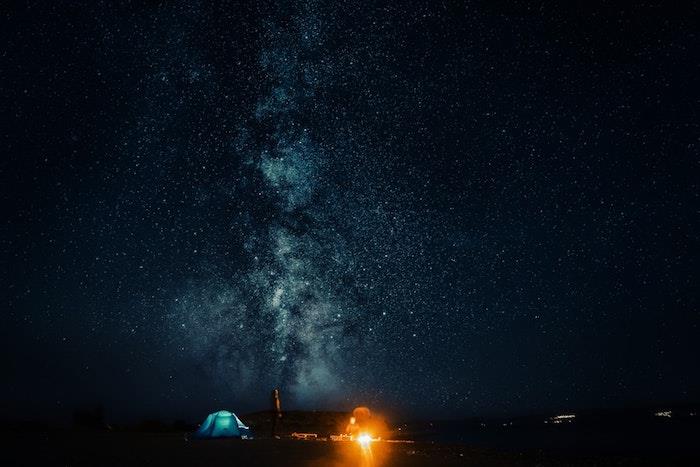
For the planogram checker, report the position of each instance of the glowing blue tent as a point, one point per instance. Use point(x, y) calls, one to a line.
point(222, 424)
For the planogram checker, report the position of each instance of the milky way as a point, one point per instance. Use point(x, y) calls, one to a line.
point(283, 321)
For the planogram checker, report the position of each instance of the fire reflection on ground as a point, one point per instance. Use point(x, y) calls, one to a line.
point(361, 452)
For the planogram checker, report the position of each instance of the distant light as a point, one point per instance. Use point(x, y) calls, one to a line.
point(564, 418)
point(664, 413)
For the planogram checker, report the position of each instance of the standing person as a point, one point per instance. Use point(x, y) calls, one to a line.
point(352, 428)
point(276, 411)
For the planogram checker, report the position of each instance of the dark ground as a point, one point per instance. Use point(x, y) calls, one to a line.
point(595, 438)
point(74, 448)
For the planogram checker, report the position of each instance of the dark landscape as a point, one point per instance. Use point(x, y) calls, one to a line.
point(596, 438)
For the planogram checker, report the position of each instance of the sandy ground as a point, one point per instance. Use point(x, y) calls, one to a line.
point(122, 449)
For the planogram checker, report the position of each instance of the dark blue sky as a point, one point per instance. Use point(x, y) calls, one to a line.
point(444, 208)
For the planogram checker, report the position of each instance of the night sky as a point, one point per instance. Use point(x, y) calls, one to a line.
point(438, 208)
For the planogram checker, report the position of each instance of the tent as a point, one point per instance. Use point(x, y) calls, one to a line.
point(222, 424)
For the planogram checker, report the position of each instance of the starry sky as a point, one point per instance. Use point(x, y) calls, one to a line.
point(436, 208)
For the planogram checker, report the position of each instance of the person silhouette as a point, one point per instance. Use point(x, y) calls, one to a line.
point(276, 412)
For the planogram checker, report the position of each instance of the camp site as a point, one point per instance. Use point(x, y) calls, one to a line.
point(360, 437)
